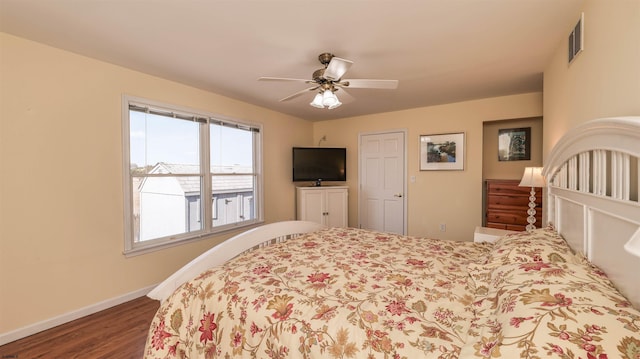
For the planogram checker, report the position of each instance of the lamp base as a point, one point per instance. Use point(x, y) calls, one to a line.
point(531, 211)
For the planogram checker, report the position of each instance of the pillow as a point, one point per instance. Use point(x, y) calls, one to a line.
point(541, 245)
point(538, 309)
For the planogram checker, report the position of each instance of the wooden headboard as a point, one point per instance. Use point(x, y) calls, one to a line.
point(593, 181)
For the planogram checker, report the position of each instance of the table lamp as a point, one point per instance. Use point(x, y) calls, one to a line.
point(532, 177)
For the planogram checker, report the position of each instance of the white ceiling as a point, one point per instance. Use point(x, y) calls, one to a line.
point(441, 51)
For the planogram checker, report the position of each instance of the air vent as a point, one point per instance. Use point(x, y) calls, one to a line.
point(576, 39)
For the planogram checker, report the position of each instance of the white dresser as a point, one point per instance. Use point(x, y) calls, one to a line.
point(325, 205)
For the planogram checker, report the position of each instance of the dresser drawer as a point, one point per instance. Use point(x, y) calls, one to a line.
point(507, 187)
point(507, 217)
point(514, 202)
point(509, 227)
point(506, 205)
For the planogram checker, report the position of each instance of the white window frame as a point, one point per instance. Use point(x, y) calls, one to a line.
point(135, 248)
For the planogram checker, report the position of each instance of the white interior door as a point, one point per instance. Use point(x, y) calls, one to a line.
point(382, 200)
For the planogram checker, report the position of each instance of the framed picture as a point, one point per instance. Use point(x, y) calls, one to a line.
point(442, 152)
point(514, 144)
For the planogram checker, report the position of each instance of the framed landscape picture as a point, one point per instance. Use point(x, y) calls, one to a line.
point(514, 144)
point(442, 152)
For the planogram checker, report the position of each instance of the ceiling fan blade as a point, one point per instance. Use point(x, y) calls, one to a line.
point(337, 68)
point(301, 92)
point(281, 79)
point(370, 84)
point(344, 96)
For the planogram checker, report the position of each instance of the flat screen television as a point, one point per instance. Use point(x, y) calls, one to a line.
point(319, 164)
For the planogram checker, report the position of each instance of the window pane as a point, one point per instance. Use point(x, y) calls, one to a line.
point(232, 199)
point(160, 139)
point(231, 150)
point(166, 178)
point(166, 206)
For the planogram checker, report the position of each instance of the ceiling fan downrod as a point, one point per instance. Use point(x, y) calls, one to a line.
point(325, 58)
point(318, 75)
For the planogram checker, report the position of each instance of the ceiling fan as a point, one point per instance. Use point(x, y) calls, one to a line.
point(328, 80)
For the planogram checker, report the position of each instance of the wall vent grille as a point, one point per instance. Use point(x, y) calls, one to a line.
point(576, 39)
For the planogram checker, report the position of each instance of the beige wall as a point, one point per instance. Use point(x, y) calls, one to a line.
point(603, 80)
point(450, 197)
point(492, 168)
point(61, 201)
point(60, 157)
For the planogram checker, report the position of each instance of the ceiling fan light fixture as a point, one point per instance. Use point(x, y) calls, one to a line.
point(329, 98)
point(317, 101)
point(337, 104)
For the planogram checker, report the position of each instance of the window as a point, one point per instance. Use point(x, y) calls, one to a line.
point(173, 159)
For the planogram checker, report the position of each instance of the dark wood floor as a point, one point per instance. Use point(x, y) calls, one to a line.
point(117, 332)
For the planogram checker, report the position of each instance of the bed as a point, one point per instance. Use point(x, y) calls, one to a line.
point(299, 290)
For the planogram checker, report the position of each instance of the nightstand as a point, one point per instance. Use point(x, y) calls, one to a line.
point(486, 234)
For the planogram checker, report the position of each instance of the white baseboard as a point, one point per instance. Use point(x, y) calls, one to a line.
point(73, 315)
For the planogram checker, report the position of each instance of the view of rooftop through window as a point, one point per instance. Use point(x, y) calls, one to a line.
point(168, 178)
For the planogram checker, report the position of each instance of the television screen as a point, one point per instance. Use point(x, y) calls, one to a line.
point(319, 164)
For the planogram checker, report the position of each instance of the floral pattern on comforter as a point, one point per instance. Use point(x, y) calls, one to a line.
point(543, 301)
point(350, 293)
point(337, 293)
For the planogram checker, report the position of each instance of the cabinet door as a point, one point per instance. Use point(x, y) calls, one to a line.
point(336, 208)
point(312, 206)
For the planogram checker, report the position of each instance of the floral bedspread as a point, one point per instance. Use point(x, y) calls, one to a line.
point(350, 293)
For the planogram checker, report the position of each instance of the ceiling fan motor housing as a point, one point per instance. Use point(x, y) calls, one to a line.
point(318, 76)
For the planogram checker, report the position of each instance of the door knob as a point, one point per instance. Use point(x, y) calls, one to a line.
point(399, 195)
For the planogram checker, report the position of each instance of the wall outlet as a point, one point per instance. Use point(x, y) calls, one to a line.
point(443, 227)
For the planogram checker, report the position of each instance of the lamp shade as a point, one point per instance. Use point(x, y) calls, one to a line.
point(532, 177)
point(329, 98)
point(337, 104)
point(317, 101)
